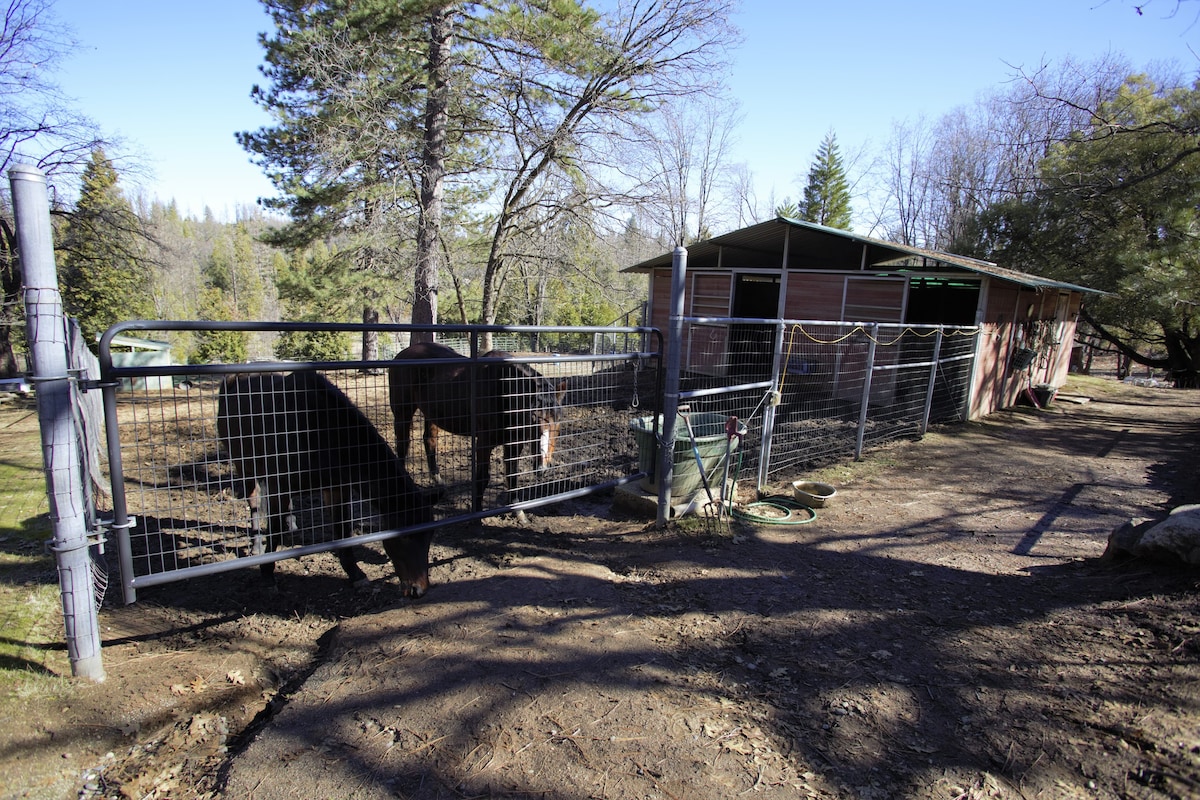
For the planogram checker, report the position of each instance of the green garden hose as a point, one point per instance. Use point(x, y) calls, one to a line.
point(782, 511)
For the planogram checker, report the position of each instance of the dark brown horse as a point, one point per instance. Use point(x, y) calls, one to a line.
point(497, 401)
point(298, 433)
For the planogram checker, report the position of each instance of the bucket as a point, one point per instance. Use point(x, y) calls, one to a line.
point(1022, 358)
point(1045, 394)
point(813, 494)
point(711, 441)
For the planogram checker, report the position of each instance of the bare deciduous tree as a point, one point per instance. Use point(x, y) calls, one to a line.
point(559, 119)
point(687, 145)
point(935, 177)
point(37, 125)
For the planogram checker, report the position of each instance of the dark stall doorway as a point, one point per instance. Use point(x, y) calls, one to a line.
point(940, 301)
point(752, 346)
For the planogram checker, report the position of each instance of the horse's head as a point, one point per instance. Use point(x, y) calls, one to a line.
point(548, 412)
point(530, 401)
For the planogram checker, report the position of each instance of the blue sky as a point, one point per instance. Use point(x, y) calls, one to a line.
point(173, 79)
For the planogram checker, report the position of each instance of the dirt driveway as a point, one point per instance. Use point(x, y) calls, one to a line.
point(944, 629)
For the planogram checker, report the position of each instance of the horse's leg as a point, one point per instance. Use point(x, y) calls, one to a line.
point(279, 519)
point(338, 501)
point(252, 492)
point(512, 464)
point(256, 499)
point(431, 448)
point(403, 409)
point(483, 472)
point(402, 419)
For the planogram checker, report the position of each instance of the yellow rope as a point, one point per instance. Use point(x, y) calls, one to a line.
point(852, 332)
point(899, 336)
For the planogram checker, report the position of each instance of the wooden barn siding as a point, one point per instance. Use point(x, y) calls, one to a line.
point(1059, 369)
point(813, 295)
point(874, 300)
point(706, 295)
point(660, 298)
point(710, 295)
point(996, 385)
point(825, 296)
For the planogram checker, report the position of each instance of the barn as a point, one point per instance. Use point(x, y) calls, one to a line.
point(792, 270)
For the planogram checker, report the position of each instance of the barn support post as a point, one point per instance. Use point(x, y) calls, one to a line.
point(47, 332)
point(872, 338)
point(933, 371)
point(671, 368)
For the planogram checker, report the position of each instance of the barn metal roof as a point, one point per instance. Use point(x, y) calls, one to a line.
point(811, 246)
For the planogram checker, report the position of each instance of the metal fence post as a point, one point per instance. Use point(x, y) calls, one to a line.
point(778, 370)
point(933, 371)
point(872, 338)
point(671, 365)
point(47, 331)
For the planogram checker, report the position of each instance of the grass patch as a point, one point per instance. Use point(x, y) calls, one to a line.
point(1092, 386)
point(872, 463)
point(33, 655)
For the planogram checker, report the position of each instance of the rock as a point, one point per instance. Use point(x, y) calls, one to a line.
point(1178, 534)
point(1175, 539)
point(1124, 540)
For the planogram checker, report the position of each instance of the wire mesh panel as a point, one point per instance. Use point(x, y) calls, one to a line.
point(837, 387)
point(213, 465)
point(903, 360)
point(206, 463)
point(951, 385)
point(727, 371)
point(848, 386)
point(823, 376)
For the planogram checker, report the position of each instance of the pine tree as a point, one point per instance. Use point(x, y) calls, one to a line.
point(391, 115)
point(827, 195)
point(1118, 212)
point(788, 208)
point(233, 292)
point(105, 276)
point(305, 280)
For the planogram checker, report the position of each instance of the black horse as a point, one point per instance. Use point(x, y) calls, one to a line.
point(298, 433)
point(496, 400)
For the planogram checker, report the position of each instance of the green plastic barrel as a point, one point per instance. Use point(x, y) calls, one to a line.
point(711, 441)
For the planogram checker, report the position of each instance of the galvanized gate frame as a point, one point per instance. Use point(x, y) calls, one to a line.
point(111, 377)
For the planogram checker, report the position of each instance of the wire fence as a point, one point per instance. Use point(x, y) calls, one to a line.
point(189, 478)
point(813, 393)
point(806, 394)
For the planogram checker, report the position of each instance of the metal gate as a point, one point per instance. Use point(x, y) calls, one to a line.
point(181, 508)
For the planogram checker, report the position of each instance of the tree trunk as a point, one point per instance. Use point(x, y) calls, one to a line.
point(433, 173)
point(370, 338)
point(11, 287)
point(1183, 357)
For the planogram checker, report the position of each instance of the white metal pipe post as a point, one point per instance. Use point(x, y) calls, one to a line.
point(671, 363)
point(933, 371)
point(47, 334)
point(872, 340)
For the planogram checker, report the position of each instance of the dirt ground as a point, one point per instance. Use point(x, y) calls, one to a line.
point(944, 629)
